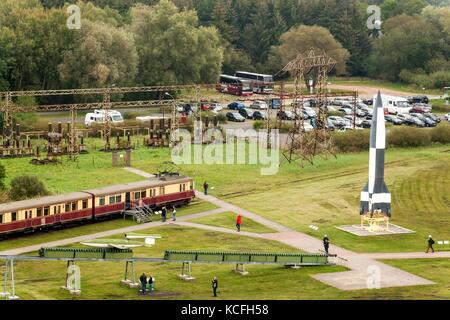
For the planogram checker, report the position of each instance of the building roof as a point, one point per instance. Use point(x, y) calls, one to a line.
point(140, 185)
point(42, 202)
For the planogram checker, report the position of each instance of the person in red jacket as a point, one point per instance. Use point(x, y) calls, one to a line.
point(238, 222)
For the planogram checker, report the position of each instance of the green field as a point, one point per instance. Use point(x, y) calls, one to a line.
point(89, 228)
point(417, 178)
point(228, 220)
point(100, 280)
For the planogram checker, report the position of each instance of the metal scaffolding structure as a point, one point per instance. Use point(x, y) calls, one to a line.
point(311, 69)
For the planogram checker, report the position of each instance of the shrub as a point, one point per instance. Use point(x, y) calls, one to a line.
point(25, 187)
point(352, 141)
point(2, 177)
point(440, 79)
point(441, 134)
point(408, 137)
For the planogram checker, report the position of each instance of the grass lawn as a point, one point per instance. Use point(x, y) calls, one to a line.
point(52, 235)
point(100, 280)
point(228, 220)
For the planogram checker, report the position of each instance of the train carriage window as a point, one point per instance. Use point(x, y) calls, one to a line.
point(192, 185)
point(74, 206)
point(67, 207)
point(144, 194)
point(39, 212)
point(46, 211)
point(13, 216)
point(85, 204)
point(1, 218)
point(112, 200)
point(102, 201)
point(118, 199)
point(137, 195)
point(162, 190)
point(27, 214)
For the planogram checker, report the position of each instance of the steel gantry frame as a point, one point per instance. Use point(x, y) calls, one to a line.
point(306, 67)
point(9, 108)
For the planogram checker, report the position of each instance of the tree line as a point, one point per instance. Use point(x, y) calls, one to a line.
point(152, 42)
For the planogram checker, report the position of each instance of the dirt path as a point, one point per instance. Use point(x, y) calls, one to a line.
point(369, 92)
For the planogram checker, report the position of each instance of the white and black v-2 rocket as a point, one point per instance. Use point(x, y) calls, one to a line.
point(375, 195)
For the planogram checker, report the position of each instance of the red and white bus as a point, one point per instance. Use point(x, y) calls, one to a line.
point(235, 86)
point(261, 83)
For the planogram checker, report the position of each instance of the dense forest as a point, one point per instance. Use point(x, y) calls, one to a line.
point(149, 42)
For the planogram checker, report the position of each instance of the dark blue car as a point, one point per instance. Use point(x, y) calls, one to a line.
point(236, 106)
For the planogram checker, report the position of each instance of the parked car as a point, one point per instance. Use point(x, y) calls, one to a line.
point(417, 99)
point(310, 112)
point(420, 108)
point(337, 121)
point(216, 107)
point(286, 115)
point(366, 124)
point(246, 113)
point(236, 106)
point(307, 127)
point(447, 117)
point(349, 118)
point(260, 105)
point(368, 102)
point(413, 121)
point(346, 111)
point(259, 115)
point(428, 122)
point(275, 103)
point(235, 117)
point(432, 117)
point(204, 105)
point(393, 119)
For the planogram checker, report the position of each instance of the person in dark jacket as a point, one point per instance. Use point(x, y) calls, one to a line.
point(164, 214)
point(430, 244)
point(215, 284)
point(143, 280)
point(205, 188)
point(150, 284)
point(326, 243)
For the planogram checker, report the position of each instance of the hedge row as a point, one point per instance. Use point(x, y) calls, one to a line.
point(359, 140)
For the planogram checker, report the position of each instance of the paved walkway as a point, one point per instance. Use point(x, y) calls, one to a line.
point(363, 267)
point(139, 227)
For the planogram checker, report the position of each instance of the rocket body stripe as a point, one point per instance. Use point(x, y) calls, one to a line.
point(375, 196)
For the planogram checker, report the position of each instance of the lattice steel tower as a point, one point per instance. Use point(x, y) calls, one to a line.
point(310, 71)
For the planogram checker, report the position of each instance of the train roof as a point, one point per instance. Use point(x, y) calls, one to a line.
point(135, 186)
point(42, 202)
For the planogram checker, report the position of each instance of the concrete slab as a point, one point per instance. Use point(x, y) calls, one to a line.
point(361, 232)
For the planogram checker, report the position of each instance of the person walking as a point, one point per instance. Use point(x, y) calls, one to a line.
point(174, 214)
point(326, 243)
point(430, 244)
point(238, 223)
point(215, 284)
point(150, 284)
point(164, 214)
point(143, 280)
point(205, 188)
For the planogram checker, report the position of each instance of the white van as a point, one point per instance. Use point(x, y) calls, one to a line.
point(98, 116)
point(394, 105)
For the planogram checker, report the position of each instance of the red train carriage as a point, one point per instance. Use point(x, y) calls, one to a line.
point(28, 215)
point(33, 214)
point(153, 192)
